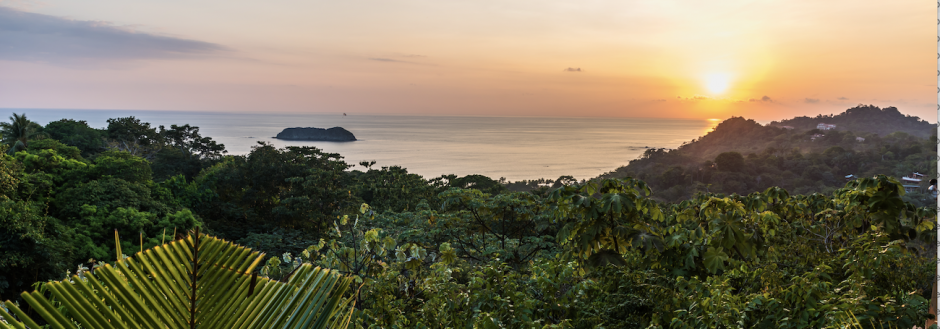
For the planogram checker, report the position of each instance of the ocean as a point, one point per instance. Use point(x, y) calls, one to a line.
point(515, 148)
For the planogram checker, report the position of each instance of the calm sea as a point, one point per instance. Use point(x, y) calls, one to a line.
point(512, 147)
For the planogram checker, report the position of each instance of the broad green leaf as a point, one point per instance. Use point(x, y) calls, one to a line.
point(162, 286)
point(714, 259)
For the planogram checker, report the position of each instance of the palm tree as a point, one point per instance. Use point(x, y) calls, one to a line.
point(18, 131)
point(197, 282)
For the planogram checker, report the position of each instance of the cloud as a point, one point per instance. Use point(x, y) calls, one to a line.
point(386, 60)
point(811, 100)
point(842, 99)
point(393, 60)
point(35, 37)
point(572, 69)
point(766, 99)
point(694, 98)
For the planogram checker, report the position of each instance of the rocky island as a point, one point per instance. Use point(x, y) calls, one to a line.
point(335, 134)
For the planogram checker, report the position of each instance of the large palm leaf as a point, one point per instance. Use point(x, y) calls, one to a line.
point(155, 289)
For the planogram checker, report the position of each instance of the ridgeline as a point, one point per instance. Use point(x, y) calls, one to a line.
point(742, 156)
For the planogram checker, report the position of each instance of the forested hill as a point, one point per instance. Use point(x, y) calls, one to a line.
point(747, 136)
point(743, 156)
point(866, 119)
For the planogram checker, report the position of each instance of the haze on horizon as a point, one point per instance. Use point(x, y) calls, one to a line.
point(766, 60)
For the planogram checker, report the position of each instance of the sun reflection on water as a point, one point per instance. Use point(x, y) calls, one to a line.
point(712, 123)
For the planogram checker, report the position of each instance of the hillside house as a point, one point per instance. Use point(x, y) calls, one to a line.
point(912, 183)
point(787, 127)
point(815, 136)
point(860, 139)
point(825, 126)
point(916, 177)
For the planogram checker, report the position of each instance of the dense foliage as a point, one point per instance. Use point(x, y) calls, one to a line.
point(476, 252)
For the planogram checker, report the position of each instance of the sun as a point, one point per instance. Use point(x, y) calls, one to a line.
point(717, 83)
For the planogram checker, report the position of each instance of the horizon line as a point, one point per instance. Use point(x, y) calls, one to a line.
point(339, 113)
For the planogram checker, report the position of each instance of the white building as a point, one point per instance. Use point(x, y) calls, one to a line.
point(914, 178)
point(825, 126)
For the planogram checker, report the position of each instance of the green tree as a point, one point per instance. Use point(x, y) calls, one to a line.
point(123, 165)
point(78, 134)
point(66, 151)
point(392, 188)
point(476, 182)
point(730, 161)
point(187, 140)
point(295, 187)
point(185, 152)
point(33, 246)
point(131, 135)
point(512, 227)
point(599, 230)
point(108, 194)
point(18, 132)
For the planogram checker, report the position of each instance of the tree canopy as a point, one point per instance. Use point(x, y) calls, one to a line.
point(773, 237)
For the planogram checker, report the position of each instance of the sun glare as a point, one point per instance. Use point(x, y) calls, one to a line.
point(717, 83)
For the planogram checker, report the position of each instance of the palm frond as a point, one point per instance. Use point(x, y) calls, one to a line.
point(197, 282)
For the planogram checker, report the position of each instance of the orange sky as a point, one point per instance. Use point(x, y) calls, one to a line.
point(765, 60)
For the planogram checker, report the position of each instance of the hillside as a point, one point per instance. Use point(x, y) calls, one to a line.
point(742, 156)
point(866, 119)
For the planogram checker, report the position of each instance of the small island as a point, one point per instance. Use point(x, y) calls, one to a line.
point(335, 134)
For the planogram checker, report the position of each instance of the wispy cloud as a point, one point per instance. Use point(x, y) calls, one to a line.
point(26, 36)
point(811, 100)
point(386, 60)
point(694, 98)
point(572, 69)
point(842, 99)
point(762, 99)
point(401, 58)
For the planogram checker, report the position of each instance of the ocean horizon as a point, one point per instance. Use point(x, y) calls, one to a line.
point(514, 148)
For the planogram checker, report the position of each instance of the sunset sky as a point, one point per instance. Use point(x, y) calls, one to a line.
point(765, 60)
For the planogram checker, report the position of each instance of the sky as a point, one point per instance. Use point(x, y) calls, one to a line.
point(764, 59)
